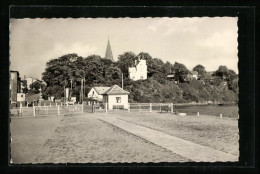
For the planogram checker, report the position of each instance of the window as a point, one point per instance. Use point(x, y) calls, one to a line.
point(21, 95)
point(118, 99)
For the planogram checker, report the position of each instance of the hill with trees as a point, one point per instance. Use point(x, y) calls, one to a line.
point(97, 71)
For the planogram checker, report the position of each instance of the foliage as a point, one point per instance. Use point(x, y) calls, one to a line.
point(36, 87)
point(222, 72)
point(96, 71)
point(125, 61)
point(201, 70)
point(180, 71)
point(24, 86)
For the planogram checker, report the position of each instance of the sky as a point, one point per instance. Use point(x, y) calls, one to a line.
point(210, 42)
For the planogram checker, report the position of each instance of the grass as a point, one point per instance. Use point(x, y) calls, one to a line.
point(220, 134)
point(215, 110)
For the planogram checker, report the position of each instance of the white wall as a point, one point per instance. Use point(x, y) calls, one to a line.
point(20, 97)
point(139, 71)
point(95, 96)
point(112, 101)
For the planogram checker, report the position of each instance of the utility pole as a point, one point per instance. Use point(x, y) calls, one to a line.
point(82, 90)
point(64, 94)
point(84, 81)
point(122, 81)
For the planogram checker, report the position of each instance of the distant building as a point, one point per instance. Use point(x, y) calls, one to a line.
point(30, 81)
point(209, 76)
point(139, 72)
point(14, 86)
point(109, 54)
point(96, 93)
point(192, 75)
point(116, 97)
point(170, 76)
point(21, 97)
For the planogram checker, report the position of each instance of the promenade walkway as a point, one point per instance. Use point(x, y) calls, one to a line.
point(190, 150)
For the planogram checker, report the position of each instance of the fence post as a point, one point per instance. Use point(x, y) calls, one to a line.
point(198, 114)
point(151, 107)
point(58, 110)
point(106, 107)
point(33, 110)
point(171, 107)
point(160, 107)
point(21, 105)
point(61, 103)
point(27, 104)
point(44, 104)
point(56, 104)
point(129, 107)
point(82, 108)
point(50, 104)
point(220, 116)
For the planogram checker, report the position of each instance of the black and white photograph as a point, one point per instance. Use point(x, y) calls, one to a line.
point(124, 90)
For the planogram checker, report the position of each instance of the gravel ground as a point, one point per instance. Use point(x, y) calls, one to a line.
point(220, 134)
point(86, 139)
point(83, 139)
point(28, 135)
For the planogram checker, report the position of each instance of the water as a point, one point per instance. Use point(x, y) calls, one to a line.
point(215, 110)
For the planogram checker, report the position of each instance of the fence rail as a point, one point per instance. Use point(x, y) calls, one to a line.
point(46, 110)
point(92, 108)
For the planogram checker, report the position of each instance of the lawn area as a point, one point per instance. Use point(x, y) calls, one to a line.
point(211, 131)
point(80, 139)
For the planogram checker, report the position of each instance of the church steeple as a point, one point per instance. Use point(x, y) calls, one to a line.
point(109, 54)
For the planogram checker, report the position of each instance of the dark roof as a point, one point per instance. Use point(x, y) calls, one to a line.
point(100, 90)
point(115, 89)
point(11, 71)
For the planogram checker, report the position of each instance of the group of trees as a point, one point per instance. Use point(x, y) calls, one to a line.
point(33, 88)
point(69, 70)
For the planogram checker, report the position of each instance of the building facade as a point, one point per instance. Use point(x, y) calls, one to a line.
point(139, 72)
point(116, 98)
point(14, 86)
point(21, 97)
point(192, 75)
point(96, 93)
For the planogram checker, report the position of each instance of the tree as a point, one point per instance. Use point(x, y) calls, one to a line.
point(222, 72)
point(37, 86)
point(201, 70)
point(24, 86)
point(153, 65)
point(180, 71)
point(166, 68)
point(125, 61)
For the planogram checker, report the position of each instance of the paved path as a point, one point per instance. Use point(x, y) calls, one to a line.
point(193, 151)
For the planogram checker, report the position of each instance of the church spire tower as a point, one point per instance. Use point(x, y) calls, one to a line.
point(109, 54)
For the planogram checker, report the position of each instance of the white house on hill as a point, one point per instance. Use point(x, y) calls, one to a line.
point(96, 93)
point(116, 97)
point(192, 75)
point(139, 71)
